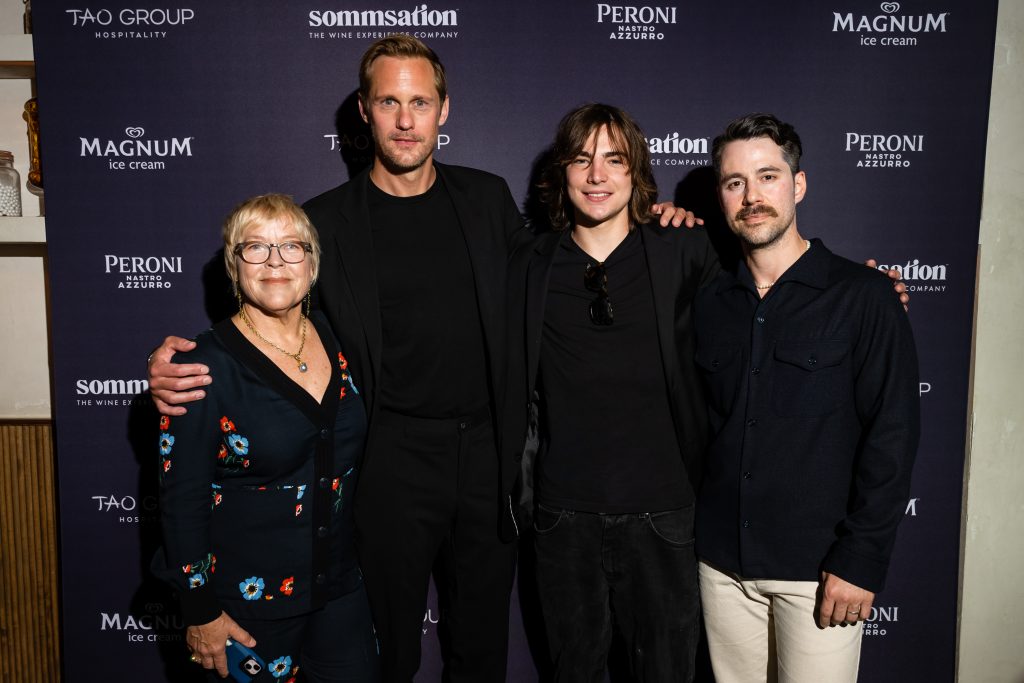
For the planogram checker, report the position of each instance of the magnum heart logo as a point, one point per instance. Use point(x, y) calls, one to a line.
point(890, 7)
point(134, 132)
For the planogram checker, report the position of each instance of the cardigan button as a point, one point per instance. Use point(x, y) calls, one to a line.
point(321, 531)
point(324, 434)
point(321, 579)
point(325, 483)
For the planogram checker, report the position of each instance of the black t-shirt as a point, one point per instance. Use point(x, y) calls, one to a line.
point(609, 441)
point(433, 359)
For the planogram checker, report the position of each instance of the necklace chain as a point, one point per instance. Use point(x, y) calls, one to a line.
point(302, 344)
point(772, 283)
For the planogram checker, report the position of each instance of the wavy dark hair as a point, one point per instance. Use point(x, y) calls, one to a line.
point(754, 126)
point(574, 131)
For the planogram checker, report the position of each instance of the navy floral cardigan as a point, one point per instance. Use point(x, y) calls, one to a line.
point(256, 485)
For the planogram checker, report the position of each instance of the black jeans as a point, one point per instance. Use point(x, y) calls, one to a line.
point(635, 572)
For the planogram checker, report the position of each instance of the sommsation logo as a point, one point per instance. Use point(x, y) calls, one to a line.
point(884, 150)
point(420, 22)
point(920, 277)
point(889, 28)
point(129, 23)
point(635, 22)
point(134, 152)
point(673, 149)
point(111, 392)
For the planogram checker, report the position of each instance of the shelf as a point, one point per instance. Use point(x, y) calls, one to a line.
point(22, 230)
point(16, 60)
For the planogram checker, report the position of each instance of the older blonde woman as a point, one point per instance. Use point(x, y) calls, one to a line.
point(256, 480)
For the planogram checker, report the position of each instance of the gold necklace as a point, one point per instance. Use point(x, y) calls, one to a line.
point(297, 355)
point(772, 283)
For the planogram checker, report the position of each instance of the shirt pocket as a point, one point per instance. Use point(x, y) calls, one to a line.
point(811, 378)
point(720, 369)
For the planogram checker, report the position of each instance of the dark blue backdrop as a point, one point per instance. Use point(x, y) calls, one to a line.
point(157, 120)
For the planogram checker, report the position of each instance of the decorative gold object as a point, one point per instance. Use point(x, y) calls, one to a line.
point(35, 173)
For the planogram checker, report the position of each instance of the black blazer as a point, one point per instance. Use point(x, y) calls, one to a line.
point(347, 287)
point(680, 262)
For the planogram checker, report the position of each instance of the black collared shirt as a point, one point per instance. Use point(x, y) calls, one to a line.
point(813, 398)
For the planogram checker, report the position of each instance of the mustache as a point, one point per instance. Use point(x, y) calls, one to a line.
point(406, 137)
point(756, 210)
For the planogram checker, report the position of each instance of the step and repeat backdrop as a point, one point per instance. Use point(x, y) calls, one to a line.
point(158, 119)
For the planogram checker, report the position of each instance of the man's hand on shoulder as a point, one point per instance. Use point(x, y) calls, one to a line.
point(898, 285)
point(170, 383)
point(841, 602)
point(676, 215)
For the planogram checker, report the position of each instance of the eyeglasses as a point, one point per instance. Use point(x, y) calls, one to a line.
point(595, 279)
point(259, 252)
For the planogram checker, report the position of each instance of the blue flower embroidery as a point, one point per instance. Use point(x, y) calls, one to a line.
point(300, 492)
point(281, 666)
point(196, 580)
point(252, 588)
point(239, 444)
point(166, 442)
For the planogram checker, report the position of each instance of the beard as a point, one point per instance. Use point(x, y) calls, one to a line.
point(765, 234)
point(401, 161)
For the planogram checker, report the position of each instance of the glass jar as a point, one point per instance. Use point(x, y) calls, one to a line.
point(10, 186)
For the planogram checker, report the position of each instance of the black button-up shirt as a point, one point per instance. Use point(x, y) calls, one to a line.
point(813, 399)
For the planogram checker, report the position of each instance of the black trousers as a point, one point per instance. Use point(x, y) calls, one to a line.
point(429, 498)
point(633, 572)
point(334, 644)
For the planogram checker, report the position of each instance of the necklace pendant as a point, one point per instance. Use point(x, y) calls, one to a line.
point(303, 367)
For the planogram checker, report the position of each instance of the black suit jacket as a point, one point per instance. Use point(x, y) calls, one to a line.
point(347, 286)
point(680, 261)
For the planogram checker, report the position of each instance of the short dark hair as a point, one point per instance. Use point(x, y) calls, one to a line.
point(754, 126)
point(401, 46)
point(573, 132)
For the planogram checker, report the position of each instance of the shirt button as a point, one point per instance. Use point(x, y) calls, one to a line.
point(324, 434)
point(714, 363)
point(755, 371)
point(746, 524)
point(321, 531)
point(760, 320)
point(751, 422)
point(321, 579)
point(747, 475)
point(812, 361)
point(463, 425)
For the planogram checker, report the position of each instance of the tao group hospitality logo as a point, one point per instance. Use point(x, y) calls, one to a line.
point(889, 28)
point(673, 149)
point(635, 22)
point(136, 152)
point(142, 272)
point(361, 145)
point(884, 150)
point(419, 21)
point(126, 509)
point(130, 23)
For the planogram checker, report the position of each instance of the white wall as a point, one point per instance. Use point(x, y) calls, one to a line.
point(991, 629)
point(24, 357)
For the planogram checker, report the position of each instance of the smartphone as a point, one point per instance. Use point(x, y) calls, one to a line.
point(243, 663)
